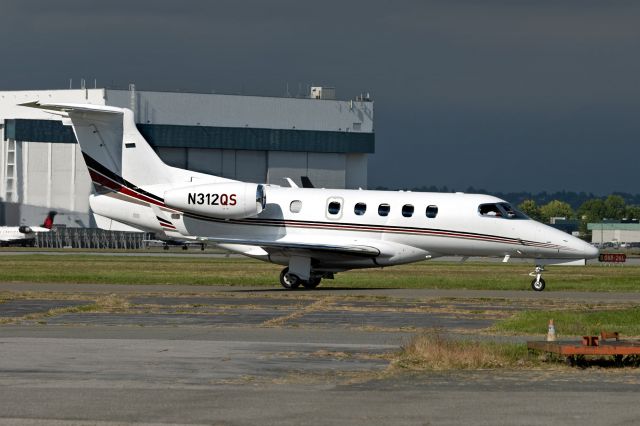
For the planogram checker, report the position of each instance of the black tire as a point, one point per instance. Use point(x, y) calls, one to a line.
point(538, 286)
point(289, 281)
point(312, 283)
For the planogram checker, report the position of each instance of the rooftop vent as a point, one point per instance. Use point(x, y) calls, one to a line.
point(318, 92)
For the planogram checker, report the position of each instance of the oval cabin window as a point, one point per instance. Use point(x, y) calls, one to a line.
point(407, 210)
point(360, 209)
point(334, 207)
point(432, 211)
point(295, 206)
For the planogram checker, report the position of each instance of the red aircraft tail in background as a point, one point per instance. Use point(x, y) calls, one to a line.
point(48, 222)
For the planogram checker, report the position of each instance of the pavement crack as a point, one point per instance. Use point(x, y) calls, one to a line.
point(320, 305)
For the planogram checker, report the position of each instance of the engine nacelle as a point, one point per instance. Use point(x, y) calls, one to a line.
point(235, 200)
point(24, 229)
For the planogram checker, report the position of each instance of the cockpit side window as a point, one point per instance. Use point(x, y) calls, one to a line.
point(490, 210)
point(511, 212)
point(503, 210)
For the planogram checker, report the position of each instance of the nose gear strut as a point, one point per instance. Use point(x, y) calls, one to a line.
point(538, 283)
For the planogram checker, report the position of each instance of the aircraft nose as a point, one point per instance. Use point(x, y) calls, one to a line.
point(590, 252)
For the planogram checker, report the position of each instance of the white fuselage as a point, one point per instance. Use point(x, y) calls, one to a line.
point(14, 235)
point(312, 215)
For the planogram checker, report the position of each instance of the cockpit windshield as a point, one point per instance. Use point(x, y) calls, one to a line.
point(503, 210)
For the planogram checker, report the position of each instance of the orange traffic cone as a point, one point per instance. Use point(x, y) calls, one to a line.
point(551, 333)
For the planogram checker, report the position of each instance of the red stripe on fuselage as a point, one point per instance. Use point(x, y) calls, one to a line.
point(105, 181)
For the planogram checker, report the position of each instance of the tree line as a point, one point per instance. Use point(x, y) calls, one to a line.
point(612, 207)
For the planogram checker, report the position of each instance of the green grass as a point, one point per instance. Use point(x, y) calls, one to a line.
point(135, 270)
point(574, 322)
point(86, 268)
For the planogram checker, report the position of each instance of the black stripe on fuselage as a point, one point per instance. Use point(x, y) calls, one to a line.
point(113, 176)
point(161, 220)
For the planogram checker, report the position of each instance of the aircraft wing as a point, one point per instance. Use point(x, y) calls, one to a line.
point(353, 249)
point(39, 229)
point(382, 252)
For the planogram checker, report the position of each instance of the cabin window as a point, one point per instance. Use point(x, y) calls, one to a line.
point(432, 211)
point(334, 207)
point(407, 210)
point(383, 209)
point(295, 206)
point(360, 209)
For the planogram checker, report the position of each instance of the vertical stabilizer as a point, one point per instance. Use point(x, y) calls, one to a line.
point(140, 163)
point(109, 137)
point(113, 148)
point(48, 221)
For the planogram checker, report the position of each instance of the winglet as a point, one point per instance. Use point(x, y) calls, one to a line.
point(306, 182)
point(292, 184)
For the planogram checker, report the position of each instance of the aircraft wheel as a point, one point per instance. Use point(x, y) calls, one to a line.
point(538, 285)
point(312, 283)
point(165, 247)
point(289, 281)
point(185, 247)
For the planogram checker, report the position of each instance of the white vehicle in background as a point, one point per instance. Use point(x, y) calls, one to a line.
point(314, 233)
point(24, 235)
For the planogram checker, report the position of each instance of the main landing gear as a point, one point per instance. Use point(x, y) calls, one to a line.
point(292, 281)
point(538, 283)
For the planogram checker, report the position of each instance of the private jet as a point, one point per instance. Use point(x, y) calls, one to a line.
point(24, 235)
point(313, 232)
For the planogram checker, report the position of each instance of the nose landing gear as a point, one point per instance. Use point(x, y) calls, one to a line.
point(538, 283)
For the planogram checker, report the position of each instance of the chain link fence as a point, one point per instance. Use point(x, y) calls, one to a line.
point(91, 238)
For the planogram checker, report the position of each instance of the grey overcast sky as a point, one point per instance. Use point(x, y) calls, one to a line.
point(501, 95)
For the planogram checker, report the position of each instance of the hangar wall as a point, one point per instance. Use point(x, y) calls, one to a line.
point(257, 139)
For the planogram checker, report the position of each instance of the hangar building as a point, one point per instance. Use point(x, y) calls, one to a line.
point(250, 138)
point(614, 232)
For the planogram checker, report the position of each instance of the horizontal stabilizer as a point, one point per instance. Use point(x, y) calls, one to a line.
point(69, 107)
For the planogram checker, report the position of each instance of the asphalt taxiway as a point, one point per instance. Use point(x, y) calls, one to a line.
point(77, 354)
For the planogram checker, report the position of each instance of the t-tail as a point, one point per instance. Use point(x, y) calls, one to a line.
point(114, 151)
point(135, 188)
